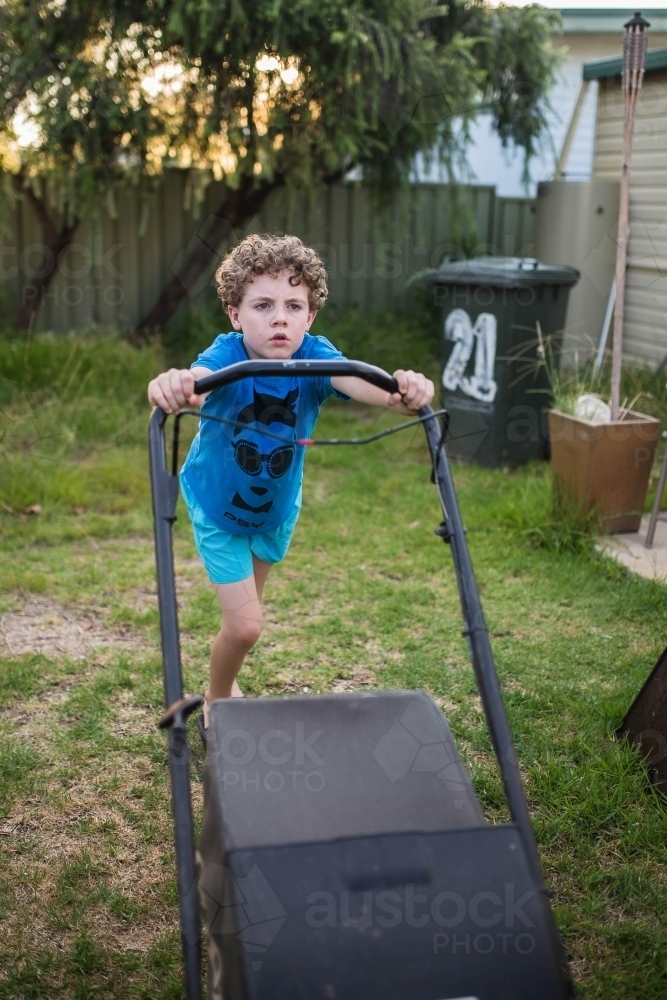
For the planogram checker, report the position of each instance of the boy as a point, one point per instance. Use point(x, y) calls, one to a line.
point(241, 486)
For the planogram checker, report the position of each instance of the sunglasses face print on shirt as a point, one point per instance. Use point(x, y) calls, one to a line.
point(275, 462)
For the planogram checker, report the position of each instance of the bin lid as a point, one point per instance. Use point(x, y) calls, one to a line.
point(504, 272)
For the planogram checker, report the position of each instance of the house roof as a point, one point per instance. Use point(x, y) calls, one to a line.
point(610, 21)
point(656, 59)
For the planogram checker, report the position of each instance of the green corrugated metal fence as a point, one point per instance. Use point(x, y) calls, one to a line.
point(110, 275)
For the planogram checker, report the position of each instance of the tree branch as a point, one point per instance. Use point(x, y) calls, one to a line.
point(56, 240)
point(239, 205)
point(38, 207)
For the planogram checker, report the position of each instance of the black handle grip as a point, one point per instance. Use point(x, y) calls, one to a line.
point(242, 369)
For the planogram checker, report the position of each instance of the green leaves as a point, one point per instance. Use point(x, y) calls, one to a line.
point(94, 96)
point(521, 66)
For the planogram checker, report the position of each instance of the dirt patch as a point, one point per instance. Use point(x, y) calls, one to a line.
point(39, 839)
point(128, 839)
point(360, 679)
point(31, 716)
point(42, 626)
point(130, 719)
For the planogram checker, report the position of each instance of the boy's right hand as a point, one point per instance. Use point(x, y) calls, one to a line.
point(173, 390)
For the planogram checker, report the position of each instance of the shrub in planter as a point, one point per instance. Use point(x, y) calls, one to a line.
point(606, 466)
point(599, 465)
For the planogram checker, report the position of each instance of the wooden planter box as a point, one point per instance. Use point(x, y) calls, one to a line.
point(606, 466)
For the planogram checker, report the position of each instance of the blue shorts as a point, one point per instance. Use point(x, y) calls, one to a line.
point(227, 558)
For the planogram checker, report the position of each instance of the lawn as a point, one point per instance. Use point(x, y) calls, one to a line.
point(366, 599)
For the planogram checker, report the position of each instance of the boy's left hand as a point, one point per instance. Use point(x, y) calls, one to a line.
point(415, 391)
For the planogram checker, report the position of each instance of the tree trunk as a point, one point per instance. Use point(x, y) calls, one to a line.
point(32, 292)
point(193, 267)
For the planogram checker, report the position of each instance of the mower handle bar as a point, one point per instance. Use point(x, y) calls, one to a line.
point(243, 369)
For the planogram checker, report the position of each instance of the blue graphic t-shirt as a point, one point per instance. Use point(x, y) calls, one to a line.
point(245, 480)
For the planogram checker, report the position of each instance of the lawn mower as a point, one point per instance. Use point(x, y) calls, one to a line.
point(343, 854)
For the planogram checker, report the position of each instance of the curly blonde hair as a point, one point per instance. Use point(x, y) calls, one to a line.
point(264, 254)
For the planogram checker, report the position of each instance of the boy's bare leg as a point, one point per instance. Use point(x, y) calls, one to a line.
point(241, 628)
point(260, 570)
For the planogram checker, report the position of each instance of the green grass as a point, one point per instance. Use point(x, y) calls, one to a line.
point(366, 598)
point(66, 405)
point(405, 337)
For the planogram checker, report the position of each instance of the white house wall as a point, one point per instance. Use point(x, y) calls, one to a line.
point(502, 169)
point(645, 336)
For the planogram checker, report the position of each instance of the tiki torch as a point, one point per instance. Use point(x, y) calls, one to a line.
point(634, 61)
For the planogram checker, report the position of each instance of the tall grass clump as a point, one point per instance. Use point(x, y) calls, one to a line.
point(534, 512)
point(642, 388)
point(408, 336)
point(192, 329)
point(573, 374)
point(62, 400)
point(566, 523)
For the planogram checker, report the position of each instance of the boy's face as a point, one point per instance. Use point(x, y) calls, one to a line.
point(274, 316)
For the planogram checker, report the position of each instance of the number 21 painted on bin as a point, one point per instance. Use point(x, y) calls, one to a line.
point(459, 328)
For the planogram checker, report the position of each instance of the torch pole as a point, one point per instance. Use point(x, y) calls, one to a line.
point(634, 62)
